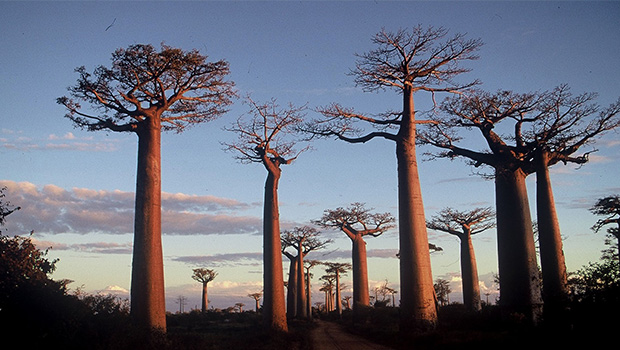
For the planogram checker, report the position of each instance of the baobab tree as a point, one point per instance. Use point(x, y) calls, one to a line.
point(442, 288)
point(559, 127)
point(303, 240)
point(329, 282)
point(256, 297)
point(464, 225)
point(423, 59)
point(146, 91)
point(337, 270)
point(518, 268)
point(356, 221)
point(204, 276)
point(267, 138)
point(609, 207)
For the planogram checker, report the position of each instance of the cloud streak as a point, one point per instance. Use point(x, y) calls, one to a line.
point(54, 210)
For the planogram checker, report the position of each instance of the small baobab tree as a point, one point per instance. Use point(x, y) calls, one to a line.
point(256, 297)
point(407, 61)
point(609, 207)
point(337, 270)
point(144, 92)
point(303, 240)
point(204, 276)
point(267, 137)
point(464, 225)
point(356, 222)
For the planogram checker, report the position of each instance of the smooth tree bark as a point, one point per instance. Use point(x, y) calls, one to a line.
point(408, 62)
point(268, 138)
point(144, 92)
point(204, 276)
point(356, 222)
point(464, 225)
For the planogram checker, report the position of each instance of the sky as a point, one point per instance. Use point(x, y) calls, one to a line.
point(76, 188)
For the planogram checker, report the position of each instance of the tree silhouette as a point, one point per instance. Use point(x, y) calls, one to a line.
point(337, 270)
point(464, 225)
point(204, 276)
point(423, 59)
point(266, 138)
point(146, 91)
point(256, 297)
point(303, 240)
point(6, 208)
point(308, 264)
point(609, 207)
point(356, 221)
point(442, 288)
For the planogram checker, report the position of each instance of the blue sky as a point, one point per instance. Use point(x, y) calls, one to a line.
point(76, 187)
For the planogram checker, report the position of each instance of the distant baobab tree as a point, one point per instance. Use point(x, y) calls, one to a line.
point(357, 221)
point(256, 297)
point(609, 207)
point(146, 91)
point(204, 276)
point(337, 270)
point(464, 225)
point(408, 61)
point(267, 138)
point(303, 240)
point(309, 264)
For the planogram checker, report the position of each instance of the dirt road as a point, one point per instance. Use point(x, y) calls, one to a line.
point(331, 336)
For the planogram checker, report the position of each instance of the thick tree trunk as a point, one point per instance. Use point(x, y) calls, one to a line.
point(309, 296)
point(274, 310)
point(205, 300)
point(555, 289)
point(417, 307)
point(291, 289)
point(301, 285)
point(518, 269)
point(148, 304)
point(469, 273)
point(361, 297)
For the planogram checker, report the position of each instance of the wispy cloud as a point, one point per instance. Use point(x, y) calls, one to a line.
point(218, 260)
point(14, 140)
point(51, 209)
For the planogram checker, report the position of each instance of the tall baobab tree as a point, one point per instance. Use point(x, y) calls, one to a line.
point(256, 297)
point(610, 208)
point(303, 240)
point(146, 91)
point(356, 222)
point(329, 282)
point(204, 276)
point(518, 268)
point(267, 138)
point(464, 225)
point(422, 59)
point(559, 127)
point(337, 270)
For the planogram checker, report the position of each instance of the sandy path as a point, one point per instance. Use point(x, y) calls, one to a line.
point(331, 336)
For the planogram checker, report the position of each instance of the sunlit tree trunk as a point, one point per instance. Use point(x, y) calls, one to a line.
point(274, 310)
point(338, 295)
point(418, 311)
point(518, 269)
point(309, 296)
point(555, 289)
point(148, 305)
point(361, 295)
point(469, 273)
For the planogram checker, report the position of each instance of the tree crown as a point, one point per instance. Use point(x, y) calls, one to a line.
point(203, 275)
point(178, 87)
